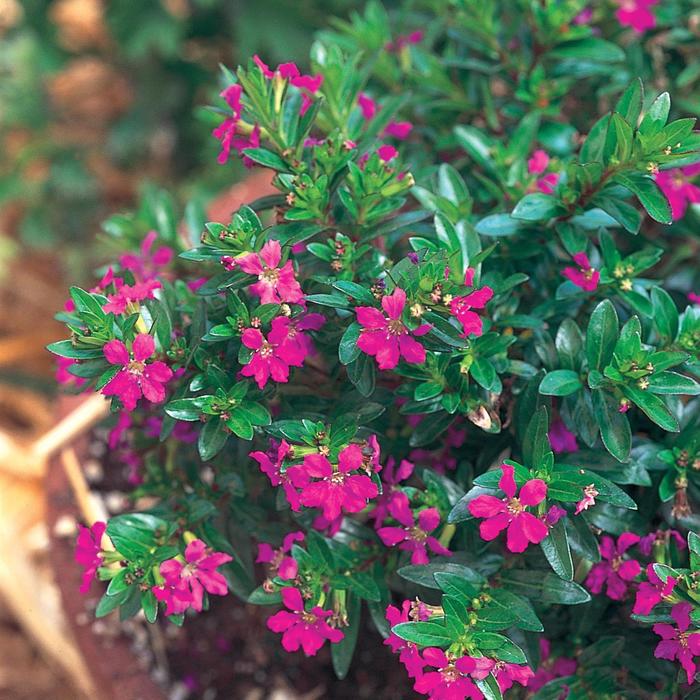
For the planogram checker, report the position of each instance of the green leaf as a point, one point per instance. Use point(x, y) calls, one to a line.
point(650, 196)
point(186, 409)
point(601, 335)
point(556, 549)
point(521, 607)
point(537, 207)
point(614, 426)
point(424, 634)
point(347, 348)
point(497, 225)
point(655, 409)
point(239, 425)
point(427, 390)
point(673, 383)
point(536, 441)
point(560, 382)
point(496, 645)
point(212, 438)
point(343, 651)
point(267, 158)
point(665, 314)
point(591, 48)
point(657, 115)
point(629, 105)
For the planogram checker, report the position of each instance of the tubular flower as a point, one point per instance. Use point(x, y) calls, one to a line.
point(614, 572)
point(651, 592)
point(279, 561)
point(386, 338)
point(511, 512)
point(413, 537)
point(453, 678)
point(276, 285)
point(636, 14)
point(679, 191)
point(561, 438)
point(274, 472)
point(409, 654)
point(136, 378)
point(301, 628)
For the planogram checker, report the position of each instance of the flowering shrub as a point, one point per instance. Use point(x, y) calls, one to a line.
point(448, 375)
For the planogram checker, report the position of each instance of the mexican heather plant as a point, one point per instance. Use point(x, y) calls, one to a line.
point(447, 376)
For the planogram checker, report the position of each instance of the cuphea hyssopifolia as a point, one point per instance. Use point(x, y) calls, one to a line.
point(433, 379)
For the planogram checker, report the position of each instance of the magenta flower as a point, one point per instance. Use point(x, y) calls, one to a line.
point(226, 131)
point(275, 285)
point(538, 162)
point(301, 628)
point(273, 355)
point(63, 376)
point(190, 579)
point(461, 308)
point(284, 70)
point(694, 298)
point(680, 192)
point(404, 40)
point(299, 345)
point(308, 84)
point(149, 262)
point(136, 378)
point(679, 643)
point(646, 544)
point(547, 183)
point(510, 512)
point(398, 130)
point(386, 338)
point(274, 472)
point(636, 14)
point(367, 105)
point(392, 475)
point(561, 438)
point(129, 296)
point(588, 500)
point(506, 674)
point(614, 572)
point(280, 563)
point(453, 678)
point(549, 669)
point(584, 276)
point(413, 537)
point(651, 593)
point(409, 653)
point(387, 153)
point(335, 490)
point(88, 548)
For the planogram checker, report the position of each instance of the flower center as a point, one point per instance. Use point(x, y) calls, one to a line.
point(450, 673)
point(270, 275)
point(417, 534)
point(136, 367)
point(307, 617)
point(616, 562)
point(266, 350)
point(395, 327)
point(515, 507)
point(337, 478)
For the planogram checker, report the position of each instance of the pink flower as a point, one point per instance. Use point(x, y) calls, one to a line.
point(301, 628)
point(679, 643)
point(547, 183)
point(561, 438)
point(676, 186)
point(646, 544)
point(510, 512)
point(309, 85)
point(284, 70)
point(276, 285)
point(413, 537)
point(404, 40)
point(387, 153)
point(136, 378)
point(129, 294)
point(584, 17)
point(336, 490)
point(367, 105)
point(409, 654)
point(63, 376)
point(398, 130)
point(461, 308)
point(585, 276)
point(88, 548)
point(148, 263)
point(538, 162)
point(636, 14)
point(694, 298)
point(226, 131)
point(184, 584)
point(273, 355)
point(650, 594)
point(280, 563)
point(453, 678)
point(117, 434)
point(386, 338)
point(549, 669)
point(614, 572)
point(588, 500)
point(391, 477)
point(274, 472)
point(506, 674)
